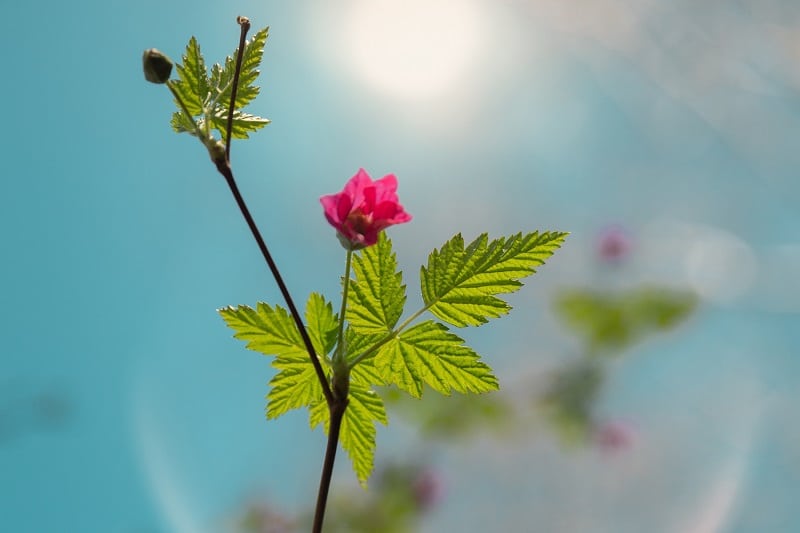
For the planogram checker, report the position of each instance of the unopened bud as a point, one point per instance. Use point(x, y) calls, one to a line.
point(157, 66)
point(216, 149)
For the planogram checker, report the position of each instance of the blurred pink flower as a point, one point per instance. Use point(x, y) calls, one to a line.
point(363, 209)
point(615, 436)
point(613, 244)
point(428, 488)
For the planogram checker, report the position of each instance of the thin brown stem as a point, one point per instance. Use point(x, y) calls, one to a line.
point(223, 166)
point(336, 395)
point(244, 23)
point(337, 409)
point(225, 170)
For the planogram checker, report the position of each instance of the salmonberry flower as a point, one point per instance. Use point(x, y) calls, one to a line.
point(615, 436)
point(614, 244)
point(363, 209)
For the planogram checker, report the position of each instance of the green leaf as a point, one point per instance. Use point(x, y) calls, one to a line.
point(207, 99)
point(272, 331)
point(357, 434)
point(266, 329)
point(182, 123)
point(430, 353)
point(358, 428)
point(614, 321)
point(356, 345)
point(222, 77)
point(322, 323)
point(460, 283)
point(377, 294)
point(569, 401)
point(192, 83)
point(243, 123)
point(295, 385)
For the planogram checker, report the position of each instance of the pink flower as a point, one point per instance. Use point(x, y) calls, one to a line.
point(428, 488)
point(614, 244)
point(615, 436)
point(363, 209)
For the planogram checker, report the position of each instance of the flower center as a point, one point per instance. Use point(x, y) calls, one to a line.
point(359, 222)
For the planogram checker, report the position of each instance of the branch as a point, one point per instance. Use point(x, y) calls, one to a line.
point(222, 162)
point(337, 410)
point(244, 22)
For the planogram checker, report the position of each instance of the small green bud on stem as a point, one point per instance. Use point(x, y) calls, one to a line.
point(216, 150)
point(157, 66)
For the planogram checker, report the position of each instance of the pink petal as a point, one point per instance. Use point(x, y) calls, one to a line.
point(369, 199)
point(386, 188)
point(354, 188)
point(329, 206)
point(343, 206)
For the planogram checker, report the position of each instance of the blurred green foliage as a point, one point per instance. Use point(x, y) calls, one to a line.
point(458, 415)
point(608, 323)
point(399, 494)
point(567, 404)
point(611, 322)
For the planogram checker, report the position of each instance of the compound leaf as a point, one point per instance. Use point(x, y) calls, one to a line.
point(377, 294)
point(266, 329)
point(222, 76)
point(358, 432)
point(272, 331)
point(192, 82)
point(460, 283)
point(243, 123)
point(430, 353)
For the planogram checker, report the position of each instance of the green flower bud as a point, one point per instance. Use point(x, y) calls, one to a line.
point(157, 66)
point(216, 149)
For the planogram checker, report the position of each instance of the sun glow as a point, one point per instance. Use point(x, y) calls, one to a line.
point(413, 48)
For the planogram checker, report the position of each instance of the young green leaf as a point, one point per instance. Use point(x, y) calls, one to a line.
point(268, 330)
point(357, 344)
point(377, 294)
point(222, 77)
point(322, 323)
point(357, 434)
point(358, 429)
point(207, 99)
point(430, 353)
point(296, 385)
point(243, 123)
point(192, 82)
point(271, 331)
point(460, 283)
point(182, 123)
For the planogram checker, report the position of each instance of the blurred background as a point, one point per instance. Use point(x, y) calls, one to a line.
point(649, 371)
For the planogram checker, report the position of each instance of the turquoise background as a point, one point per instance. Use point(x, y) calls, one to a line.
point(125, 405)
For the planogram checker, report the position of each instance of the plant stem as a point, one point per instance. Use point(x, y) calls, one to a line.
point(186, 112)
point(340, 350)
point(223, 166)
point(341, 385)
point(244, 22)
point(337, 396)
point(337, 409)
point(225, 170)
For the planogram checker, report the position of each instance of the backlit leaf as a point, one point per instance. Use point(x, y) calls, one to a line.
point(377, 294)
point(430, 353)
point(460, 283)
